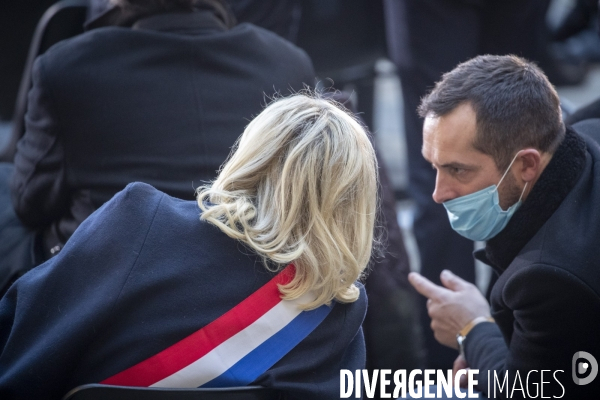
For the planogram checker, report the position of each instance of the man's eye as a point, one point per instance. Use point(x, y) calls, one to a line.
point(457, 171)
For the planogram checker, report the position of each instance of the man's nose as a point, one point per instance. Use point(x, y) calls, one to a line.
point(443, 191)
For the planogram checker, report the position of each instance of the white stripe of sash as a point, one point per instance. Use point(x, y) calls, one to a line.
point(228, 353)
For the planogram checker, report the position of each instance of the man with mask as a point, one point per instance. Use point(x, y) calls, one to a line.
point(511, 174)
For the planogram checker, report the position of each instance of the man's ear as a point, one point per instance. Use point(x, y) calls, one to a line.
point(529, 164)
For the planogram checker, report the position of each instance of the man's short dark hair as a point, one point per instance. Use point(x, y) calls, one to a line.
point(515, 104)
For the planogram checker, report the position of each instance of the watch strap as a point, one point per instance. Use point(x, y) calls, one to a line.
point(462, 334)
point(465, 331)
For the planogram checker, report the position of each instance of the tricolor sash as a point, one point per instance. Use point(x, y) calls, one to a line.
point(234, 349)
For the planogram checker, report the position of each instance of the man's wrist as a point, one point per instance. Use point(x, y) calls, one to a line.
point(462, 334)
point(465, 331)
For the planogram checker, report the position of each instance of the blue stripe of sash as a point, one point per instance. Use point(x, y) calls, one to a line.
point(271, 350)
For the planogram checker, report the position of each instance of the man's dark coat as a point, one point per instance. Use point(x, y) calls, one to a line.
point(546, 302)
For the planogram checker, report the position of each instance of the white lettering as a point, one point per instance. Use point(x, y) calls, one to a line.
point(472, 383)
point(346, 377)
point(370, 384)
point(419, 384)
point(400, 383)
point(504, 382)
point(542, 384)
point(411, 384)
point(445, 383)
point(457, 391)
point(563, 388)
point(517, 376)
point(383, 384)
point(536, 385)
point(428, 383)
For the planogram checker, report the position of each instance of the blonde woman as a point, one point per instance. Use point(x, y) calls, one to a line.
point(255, 283)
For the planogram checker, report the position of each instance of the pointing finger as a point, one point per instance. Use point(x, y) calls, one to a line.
point(425, 287)
point(453, 282)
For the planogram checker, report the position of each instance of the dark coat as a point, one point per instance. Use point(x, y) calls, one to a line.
point(161, 102)
point(140, 274)
point(279, 16)
point(546, 302)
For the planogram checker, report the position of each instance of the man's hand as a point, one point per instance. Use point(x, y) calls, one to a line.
point(451, 307)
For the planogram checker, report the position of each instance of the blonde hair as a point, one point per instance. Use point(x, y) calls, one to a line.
point(301, 187)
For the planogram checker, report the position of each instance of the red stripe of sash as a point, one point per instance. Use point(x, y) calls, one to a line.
point(201, 342)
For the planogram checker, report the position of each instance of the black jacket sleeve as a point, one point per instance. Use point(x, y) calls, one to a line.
point(554, 315)
point(38, 185)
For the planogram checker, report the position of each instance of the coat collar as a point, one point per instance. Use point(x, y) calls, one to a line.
point(186, 23)
point(198, 21)
point(555, 183)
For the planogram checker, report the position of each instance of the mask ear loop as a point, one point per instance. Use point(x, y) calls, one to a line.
point(506, 172)
point(524, 187)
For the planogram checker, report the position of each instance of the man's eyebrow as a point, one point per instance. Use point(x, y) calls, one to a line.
point(458, 165)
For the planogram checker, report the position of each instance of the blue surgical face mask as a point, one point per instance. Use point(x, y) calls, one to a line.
point(478, 216)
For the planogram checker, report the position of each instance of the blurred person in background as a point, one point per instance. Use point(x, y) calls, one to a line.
point(155, 91)
point(574, 33)
point(279, 16)
point(18, 19)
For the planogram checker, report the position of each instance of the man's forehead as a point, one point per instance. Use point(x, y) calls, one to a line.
point(449, 138)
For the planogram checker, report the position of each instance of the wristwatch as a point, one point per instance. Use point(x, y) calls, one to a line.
point(462, 334)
